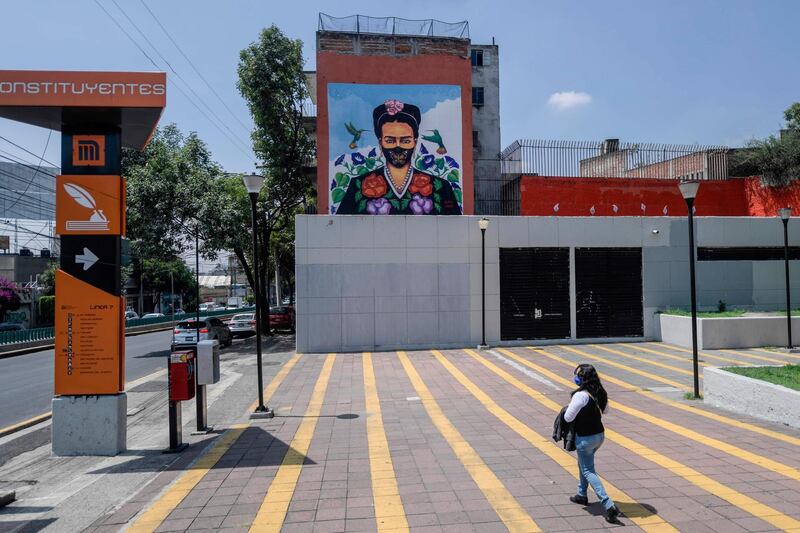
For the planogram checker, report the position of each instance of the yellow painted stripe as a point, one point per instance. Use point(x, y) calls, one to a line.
point(503, 502)
point(706, 354)
point(773, 352)
point(273, 509)
point(768, 359)
point(149, 521)
point(626, 368)
point(645, 361)
point(276, 381)
point(635, 511)
point(685, 359)
point(25, 424)
point(756, 459)
point(744, 502)
point(682, 406)
point(389, 512)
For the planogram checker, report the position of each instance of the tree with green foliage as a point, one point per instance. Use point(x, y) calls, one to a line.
point(776, 158)
point(273, 84)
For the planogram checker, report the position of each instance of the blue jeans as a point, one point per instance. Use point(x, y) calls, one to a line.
point(586, 448)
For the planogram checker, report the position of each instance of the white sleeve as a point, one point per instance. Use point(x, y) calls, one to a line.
point(578, 402)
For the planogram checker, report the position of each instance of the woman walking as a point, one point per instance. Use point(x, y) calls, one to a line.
point(589, 402)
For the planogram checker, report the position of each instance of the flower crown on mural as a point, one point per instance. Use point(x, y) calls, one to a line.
point(394, 107)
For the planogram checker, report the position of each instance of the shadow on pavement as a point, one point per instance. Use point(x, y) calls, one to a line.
point(628, 509)
point(26, 526)
point(254, 447)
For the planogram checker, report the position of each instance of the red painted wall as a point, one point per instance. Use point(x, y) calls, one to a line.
point(576, 196)
point(420, 69)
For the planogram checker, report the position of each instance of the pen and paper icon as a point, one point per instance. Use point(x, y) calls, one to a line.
point(97, 220)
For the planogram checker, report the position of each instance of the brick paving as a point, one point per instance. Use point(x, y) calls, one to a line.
point(437, 486)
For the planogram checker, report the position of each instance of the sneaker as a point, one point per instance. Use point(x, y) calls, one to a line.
point(581, 500)
point(612, 515)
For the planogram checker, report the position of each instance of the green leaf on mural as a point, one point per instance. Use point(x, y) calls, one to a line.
point(457, 193)
point(342, 180)
point(437, 206)
point(404, 204)
point(437, 184)
point(437, 198)
point(362, 205)
point(371, 163)
point(359, 196)
point(362, 170)
point(440, 163)
point(454, 175)
point(395, 204)
point(337, 195)
point(358, 184)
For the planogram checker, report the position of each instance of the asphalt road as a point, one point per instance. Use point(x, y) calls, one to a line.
point(26, 381)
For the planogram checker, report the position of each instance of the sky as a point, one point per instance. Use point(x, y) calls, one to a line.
point(680, 71)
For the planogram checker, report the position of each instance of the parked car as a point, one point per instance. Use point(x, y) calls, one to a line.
point(282, 317)
point(211, 328)
point(11, 326)
point(130, 314)
point(243, 325)
point(153, 315)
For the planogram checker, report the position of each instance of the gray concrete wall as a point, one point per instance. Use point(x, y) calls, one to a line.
point(486, 121)
point(374, 283)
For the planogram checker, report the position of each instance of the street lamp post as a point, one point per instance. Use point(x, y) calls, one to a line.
point(253, 183)
point(483, 224)
point(786, 213)
point(689, 192)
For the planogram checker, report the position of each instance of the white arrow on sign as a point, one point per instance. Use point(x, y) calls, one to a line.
point(87, 259)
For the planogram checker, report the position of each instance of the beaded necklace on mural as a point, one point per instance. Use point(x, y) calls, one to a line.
point(387, 173)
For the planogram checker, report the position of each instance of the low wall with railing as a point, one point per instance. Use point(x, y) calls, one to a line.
point(12, 339)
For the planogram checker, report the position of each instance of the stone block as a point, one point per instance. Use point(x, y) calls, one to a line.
point(90, 425)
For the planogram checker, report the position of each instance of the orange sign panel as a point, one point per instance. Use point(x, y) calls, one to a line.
point(88, 347)
point(88, 150)
point(88, 204)
point(82, 89)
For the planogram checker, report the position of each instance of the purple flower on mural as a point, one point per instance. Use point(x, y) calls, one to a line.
point(450, 161)
point(455, 185)
point(333, 210)
point(357, 158)
point(428, 161)
point(339, 160)
point(378, 206)
point(423, 150)
point(421, 205)
point(371, 153)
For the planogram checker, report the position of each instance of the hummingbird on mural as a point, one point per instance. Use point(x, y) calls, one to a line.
point(355, 132)
point(436, 138)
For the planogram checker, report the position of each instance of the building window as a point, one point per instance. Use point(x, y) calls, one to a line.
point(477, 96)
point(477, 58)
point(475, 140)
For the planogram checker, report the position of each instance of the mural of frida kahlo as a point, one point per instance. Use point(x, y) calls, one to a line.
point(408, 179)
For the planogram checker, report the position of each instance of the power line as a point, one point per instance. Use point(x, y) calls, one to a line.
point(37, 171)
point(174, 81)
point(169, 36)
point(29, 152)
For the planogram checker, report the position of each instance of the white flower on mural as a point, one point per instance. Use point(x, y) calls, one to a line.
point(555, 208)
point(615, 207)
point(591, 210)
point(665, 211)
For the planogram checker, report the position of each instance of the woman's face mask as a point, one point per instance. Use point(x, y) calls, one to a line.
point(577, 379)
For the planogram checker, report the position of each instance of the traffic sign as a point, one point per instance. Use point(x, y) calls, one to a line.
point(90, 205)
point(93, 259)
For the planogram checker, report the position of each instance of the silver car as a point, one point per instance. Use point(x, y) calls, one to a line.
point(211, 328)
point(243, 325)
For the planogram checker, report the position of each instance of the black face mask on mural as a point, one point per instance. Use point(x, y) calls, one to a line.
point(397, 157)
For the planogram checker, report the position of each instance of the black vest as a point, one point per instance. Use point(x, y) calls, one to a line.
point(589, 420)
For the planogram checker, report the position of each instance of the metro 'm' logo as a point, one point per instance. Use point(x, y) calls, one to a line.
point(88, 150)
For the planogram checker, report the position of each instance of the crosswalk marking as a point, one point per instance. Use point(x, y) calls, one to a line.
point(760, 460)
point(502, 501)
point(706, 354)
point(744, 502)
point(273, 509)
point(645, 519)
point(389, 512)
point(626, 368)
point(645, 361)
point(684, 359)
point(684, 407)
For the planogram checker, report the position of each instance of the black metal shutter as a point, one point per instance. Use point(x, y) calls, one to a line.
point(534, 293)
point(609, 292)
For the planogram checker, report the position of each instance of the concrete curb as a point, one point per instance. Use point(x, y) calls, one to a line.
point(752, 397)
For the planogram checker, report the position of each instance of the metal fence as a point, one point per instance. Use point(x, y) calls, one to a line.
point(393, 26)
point(40, 334)
point(612, 159)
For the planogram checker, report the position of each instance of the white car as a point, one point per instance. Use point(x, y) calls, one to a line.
point(243, 325)
point(153, 315)
point(130, 314)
